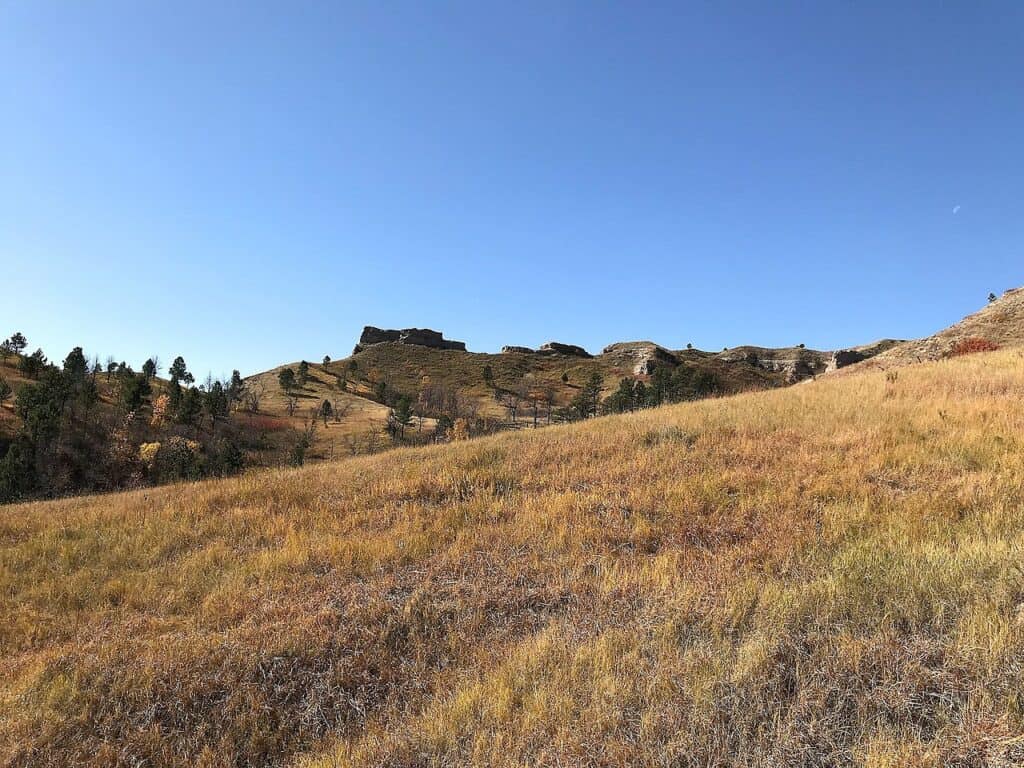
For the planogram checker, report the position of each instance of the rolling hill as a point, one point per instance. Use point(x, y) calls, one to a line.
point(822, 575)
point(424, 359)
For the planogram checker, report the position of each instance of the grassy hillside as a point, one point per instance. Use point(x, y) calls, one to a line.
point(823, 575)
point(409, 368)
point(358, 417)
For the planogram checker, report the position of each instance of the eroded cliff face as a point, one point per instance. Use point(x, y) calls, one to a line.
point(643, 356)
point(422, 337)
point(799, 363)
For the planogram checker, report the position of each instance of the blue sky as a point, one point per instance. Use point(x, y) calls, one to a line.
point(250, 183)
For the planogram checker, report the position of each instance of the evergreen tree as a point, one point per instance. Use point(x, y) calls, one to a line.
point(286, 378)
point(134, 391)
point(75, 366)
point(17, 472)
point(33, 365)
point(621, 399)
point(399, 418)
point(17, 342)
point(303, 375)
point(190, 406)
point(5, 390)
point(179, 371)
point(585, 404)
point(236, 388)
point(149, 368)
point(174, 394)
point(215, 402)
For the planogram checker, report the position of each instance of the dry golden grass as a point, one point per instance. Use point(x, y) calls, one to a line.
point(333, 440)
point(824, 575)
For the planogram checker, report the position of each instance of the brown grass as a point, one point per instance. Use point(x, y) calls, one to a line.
point(819, 576)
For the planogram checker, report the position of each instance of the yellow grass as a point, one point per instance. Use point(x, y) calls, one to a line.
point(829, 574)
point(335, 439)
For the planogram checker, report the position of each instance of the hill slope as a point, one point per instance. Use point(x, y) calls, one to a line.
point(821, 575)
point(1000, 322)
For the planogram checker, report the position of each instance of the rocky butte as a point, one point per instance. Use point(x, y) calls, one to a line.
point(421, 337)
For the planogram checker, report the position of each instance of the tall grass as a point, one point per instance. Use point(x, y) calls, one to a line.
point(824, 575)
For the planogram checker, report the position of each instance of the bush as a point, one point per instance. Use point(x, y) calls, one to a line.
point(177, 458)
point(971, 345)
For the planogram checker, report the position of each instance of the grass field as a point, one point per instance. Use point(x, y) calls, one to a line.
point(825, 575)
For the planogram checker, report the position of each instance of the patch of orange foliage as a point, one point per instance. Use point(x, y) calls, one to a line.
point(971, 345)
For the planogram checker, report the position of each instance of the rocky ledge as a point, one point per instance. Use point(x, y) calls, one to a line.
point(421, 337)
point(557, 348)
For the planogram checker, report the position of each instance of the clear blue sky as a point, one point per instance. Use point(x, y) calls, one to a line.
point(250, 183)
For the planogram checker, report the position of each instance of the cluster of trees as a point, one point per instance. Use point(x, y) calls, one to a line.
point(537, 398)
point(684, 382)
point(74, 437)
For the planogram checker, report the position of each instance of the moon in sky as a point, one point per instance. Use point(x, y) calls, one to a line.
point(956, 208)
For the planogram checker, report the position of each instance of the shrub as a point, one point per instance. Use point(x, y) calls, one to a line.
point(971, 345)
point(268, 424)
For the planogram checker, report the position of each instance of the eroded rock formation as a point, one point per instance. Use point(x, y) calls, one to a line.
point(422, 337)
point(643, 356)
point(557, 348)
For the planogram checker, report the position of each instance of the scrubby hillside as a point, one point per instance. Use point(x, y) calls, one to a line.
point(823, 575)
point(998, 324)
point(409, 368)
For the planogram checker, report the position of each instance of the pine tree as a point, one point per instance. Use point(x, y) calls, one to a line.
point(286, 378)
point(17, 342)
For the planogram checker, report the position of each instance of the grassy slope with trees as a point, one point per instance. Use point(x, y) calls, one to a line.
point(78, 425)
point(827, 574)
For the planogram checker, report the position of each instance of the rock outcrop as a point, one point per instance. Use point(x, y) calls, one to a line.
point(797, 363)
point(514, 350)
point(422, 337)
point(557, 348)
point(643, 356)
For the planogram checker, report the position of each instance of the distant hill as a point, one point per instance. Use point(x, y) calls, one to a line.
point(406, 362)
